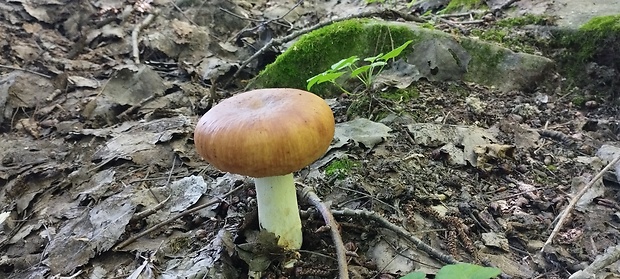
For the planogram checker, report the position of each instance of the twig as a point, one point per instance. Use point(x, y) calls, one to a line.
point(398, 230)
point(575, 199)
point(133, 108)
point(611, 255)
point(263, 23)
point(160, 205)
point(171, 219)
point(25, 217)
point(290, 37)
point(136, 31)
point(308, 193)
point(145, 213)
point(370, 197)
point(463, 14)
point(174, 5)
point(25, 70)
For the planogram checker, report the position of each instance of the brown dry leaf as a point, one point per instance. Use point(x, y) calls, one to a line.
point(94, 232)
point(32, 28)
point(21, 89)
point(29, 126)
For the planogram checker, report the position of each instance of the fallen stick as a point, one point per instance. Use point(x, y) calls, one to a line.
point(611, 255)
point(341, 252)
point(566, 212)
point(398, 230)
point(136, 32)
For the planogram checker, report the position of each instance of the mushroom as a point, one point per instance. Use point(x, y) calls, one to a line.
point(268, 134)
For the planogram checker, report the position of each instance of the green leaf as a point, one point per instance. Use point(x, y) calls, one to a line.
point(372, 59)
point(378, 64)
point(344, 63)
point(467, 271)
point(327, 76)
point(362, 69)
point(414, 275)
point(396, 52)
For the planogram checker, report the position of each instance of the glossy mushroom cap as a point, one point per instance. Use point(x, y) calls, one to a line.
point(265, 132)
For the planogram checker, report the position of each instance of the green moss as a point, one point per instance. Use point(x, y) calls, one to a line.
point(503, 34)
point(596, 41)
point(457, 5)
point(494, 35)
point(340, 168)
point(527, 19)
point(428, 25)
point(317, 51)
point(578, 101)
point(585, 43)
point(401, 95)
point(485, 59)
point(602, 24)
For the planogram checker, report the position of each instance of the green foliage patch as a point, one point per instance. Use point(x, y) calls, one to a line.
point(340, 168)
point(459, 271)
point(365, 72)
point(318, 50)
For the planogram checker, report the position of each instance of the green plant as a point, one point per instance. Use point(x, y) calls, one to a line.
point(364, 73)
point(459, 271)
point(340, 168)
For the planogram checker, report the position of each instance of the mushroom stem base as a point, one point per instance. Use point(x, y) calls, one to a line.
point(278, 211)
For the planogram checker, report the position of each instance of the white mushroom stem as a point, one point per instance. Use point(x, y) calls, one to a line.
point(277, 209)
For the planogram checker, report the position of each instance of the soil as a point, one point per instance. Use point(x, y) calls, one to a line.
point(96, 148)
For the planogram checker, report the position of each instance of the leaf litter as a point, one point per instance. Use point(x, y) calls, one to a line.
point(95, 149)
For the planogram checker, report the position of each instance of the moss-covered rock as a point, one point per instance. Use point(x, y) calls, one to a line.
point(592, 48)
point(315, 52)
point(456, 5)
point(589, 40)
point(486, 63)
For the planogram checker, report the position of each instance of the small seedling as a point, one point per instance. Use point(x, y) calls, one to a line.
point(459, 271)
point(365, 73)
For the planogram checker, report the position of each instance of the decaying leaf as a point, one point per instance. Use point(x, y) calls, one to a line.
point(495, 240)
point(21, 89)
point(142, 138)
point(94, 232)
point(361, 130)
point(183, 193)
point(473, 141)
point(260, 250)
point(489, 152)
point(213, 261)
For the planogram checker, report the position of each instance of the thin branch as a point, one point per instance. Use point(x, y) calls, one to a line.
point(125, 114)
point(566, 212)
point(341, 253)
point(145, 213)
point(398, 230)
point(136, 32)
point(171, 219)
point(611, 255)
point(174, 5)
point(25, 70)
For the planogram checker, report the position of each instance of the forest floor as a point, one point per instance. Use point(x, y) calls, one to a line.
point(98, 104)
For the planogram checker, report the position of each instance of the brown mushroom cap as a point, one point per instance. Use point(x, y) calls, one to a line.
point(265, 132)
